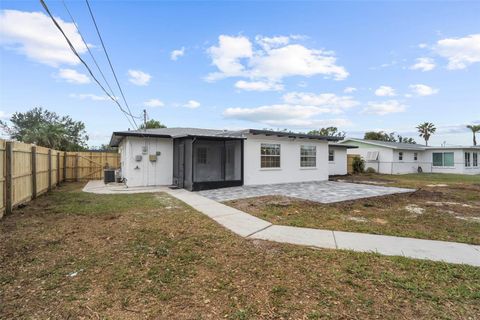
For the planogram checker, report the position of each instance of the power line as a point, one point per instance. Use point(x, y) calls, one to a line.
point(108, 58)
point(88, 48)
point(84, 63)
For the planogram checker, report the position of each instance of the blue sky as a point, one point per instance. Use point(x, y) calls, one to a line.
point(297, 65)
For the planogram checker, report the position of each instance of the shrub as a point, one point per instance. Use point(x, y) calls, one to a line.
point(358, 165)
point(370, 170)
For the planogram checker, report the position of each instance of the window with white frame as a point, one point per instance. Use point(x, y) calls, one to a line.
point(331, 155)
point(308, 156)
point(443, 159)
point(467, 159)
point(475, 159)
point(415, 156)
point(270, 155)
point(400, 156)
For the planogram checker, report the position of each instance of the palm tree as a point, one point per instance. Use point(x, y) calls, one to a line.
point(475, 129)
point(426, 129)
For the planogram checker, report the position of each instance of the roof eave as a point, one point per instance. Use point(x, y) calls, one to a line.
point(292, 135)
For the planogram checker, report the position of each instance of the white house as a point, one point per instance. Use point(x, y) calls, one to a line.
point(198, 159)
point(399, 158)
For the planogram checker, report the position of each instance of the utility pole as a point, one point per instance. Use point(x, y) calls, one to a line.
point(145, 119)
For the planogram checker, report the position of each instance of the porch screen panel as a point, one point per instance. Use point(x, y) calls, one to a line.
point(448, 160)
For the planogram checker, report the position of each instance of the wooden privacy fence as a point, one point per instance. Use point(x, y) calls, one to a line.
point(29, 170)
point(350, 158)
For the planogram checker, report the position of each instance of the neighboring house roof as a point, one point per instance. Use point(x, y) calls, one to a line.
point(344, 146)
point(210, 133)
point(452, 148)
point(391, 145)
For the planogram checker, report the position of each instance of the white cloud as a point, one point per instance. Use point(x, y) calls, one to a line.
point(153, 103)
point(298, 109)
point(226, 56)
point(34, 35)
point(139, 78)
point(423, 90)
point(272, 59)
point(385, 91)
point(349, 90)
point(280, 115)
point(329, 102)
point(258, 86)
point(175, 54)
point(192, 104)
point(384, 107)
point(4, 115)
point(73, 76)
point(460, 52)
point(272, 42)
point(90, 96)
point(423, 64)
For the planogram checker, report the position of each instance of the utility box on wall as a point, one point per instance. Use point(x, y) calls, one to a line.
point(152, 158)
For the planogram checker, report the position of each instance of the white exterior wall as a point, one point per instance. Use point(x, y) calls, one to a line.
point(458, 159)
point(408, 164)
point(339, 164)
point(146, 172)
point(385, 158)
point(290, 170)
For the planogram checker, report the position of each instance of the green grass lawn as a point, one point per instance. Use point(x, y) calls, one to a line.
point(74, 255)
point(450, 213)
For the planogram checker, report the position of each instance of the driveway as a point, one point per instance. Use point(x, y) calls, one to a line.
point(319, 191)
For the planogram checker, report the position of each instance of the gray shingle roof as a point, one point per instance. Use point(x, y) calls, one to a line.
point(393, 145)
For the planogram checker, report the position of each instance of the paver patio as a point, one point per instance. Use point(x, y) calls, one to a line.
point(319, 191)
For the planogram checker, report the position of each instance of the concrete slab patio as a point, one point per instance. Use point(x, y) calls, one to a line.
point(319, 191)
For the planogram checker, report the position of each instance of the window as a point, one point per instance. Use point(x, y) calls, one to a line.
point(372, 155)
point(202, 155)
point(475, 159)
point(443, 159)
point(400, 156)
point(467, 159)
point(308, 156)
point(270, 155)
point(331, 155)
point(415, 156)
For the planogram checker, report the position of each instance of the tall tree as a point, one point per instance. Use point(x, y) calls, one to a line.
point(380, 136)
point(329, 131)
point(47, 129)
point(475, 129)
point(425, 130)
point(406, 140)
point(152, 124)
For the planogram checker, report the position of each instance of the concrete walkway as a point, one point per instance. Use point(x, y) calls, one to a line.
point(252, 227)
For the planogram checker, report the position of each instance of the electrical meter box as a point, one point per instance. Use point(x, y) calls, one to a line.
point(152, 157)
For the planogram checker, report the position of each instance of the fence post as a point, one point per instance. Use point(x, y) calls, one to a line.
point(49, 169)
point(34, 172)
point(58, 168)
point(76, 167)
point(8, 176)
point(65, 166)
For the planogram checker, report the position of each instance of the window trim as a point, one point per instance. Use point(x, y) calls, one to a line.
point(333, 152)
point(271, 156)
point(308, 156)
point(443, 160)
point(467, 157)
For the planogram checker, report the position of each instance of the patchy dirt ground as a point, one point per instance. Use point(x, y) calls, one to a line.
point(450, 212)
point(72, 255)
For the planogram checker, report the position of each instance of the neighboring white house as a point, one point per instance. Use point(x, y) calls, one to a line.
point(399, 158)
point(198, 159)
